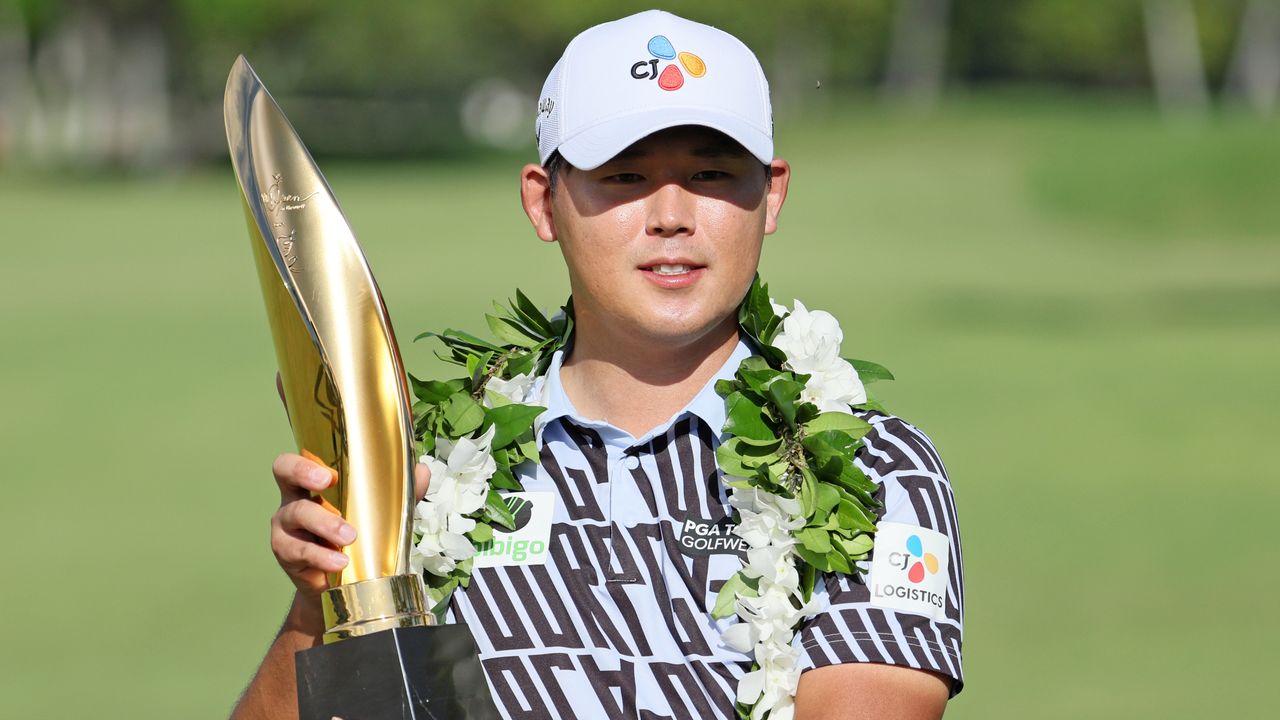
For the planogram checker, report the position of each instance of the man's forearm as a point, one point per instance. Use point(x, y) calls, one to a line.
point(273, 692)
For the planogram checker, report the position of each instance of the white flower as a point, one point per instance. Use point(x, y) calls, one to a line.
point(768, 621)
point(459, 487)
point(514, 390)
point(460, 484)
point(773, 563)
point(778, 308)
point(440, 546)
point(811, 342)
point(810, 339)
point(765, 527)
point(834, 388)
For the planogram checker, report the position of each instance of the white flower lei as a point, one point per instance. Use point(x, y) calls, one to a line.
point(803, 506)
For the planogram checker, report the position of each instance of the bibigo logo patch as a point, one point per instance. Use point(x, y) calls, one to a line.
point(909, 569)
point(670, 78)
point(528, 543)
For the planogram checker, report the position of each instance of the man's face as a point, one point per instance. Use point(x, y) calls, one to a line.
point(662, 241)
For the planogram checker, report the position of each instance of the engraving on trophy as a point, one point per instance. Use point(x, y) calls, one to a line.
point(277, 202)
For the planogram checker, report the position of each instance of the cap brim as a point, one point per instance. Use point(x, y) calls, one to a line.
point(594, 146)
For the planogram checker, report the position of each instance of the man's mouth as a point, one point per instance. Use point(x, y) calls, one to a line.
point(671, 269)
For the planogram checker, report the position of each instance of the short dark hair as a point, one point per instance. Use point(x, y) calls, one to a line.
point(554, 165)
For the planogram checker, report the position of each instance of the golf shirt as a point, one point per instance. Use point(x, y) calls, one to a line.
point(599, 604)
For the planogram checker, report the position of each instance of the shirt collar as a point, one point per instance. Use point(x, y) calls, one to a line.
point(707, 405)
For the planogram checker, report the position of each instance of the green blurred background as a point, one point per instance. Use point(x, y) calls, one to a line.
point(1057, 221)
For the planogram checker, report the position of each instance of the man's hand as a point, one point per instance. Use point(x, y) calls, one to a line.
point(306, 535)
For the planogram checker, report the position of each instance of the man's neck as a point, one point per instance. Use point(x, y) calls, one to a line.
point(636, 384)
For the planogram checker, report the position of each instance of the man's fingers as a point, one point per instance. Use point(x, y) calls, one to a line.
point(421, 480)
point(311, 517)
point(298, 476)
point(297, 552)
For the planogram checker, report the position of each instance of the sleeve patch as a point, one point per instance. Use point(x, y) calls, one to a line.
point(909, 570)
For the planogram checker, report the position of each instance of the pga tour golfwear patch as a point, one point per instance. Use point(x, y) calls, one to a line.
point(707, 537)
point(909, 569)
point(527, 544)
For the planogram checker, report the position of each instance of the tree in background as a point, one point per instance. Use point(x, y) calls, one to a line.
point(1177, 68)
point(1255, 66)
point(918, 52)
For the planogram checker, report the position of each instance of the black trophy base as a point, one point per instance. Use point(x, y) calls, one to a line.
point(402, 674)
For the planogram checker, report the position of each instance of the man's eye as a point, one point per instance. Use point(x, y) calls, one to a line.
point(625, 178)
point(710, 175)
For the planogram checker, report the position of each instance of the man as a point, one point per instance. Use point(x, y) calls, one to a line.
point(658, 183)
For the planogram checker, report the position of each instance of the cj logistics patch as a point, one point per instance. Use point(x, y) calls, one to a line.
point(909, 569)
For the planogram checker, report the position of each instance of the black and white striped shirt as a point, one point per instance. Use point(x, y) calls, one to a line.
point(599, 606)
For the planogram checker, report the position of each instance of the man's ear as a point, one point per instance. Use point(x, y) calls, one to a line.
point(535, 196)
point(780, 175)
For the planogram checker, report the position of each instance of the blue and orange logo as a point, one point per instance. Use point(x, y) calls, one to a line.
point(915, 560)
point(670, 78)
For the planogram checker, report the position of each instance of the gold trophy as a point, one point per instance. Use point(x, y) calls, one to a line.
point(349, 404)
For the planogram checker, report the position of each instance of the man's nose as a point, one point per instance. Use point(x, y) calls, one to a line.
point(671, 211)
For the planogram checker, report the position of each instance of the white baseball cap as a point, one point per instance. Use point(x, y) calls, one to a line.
point(624, 80)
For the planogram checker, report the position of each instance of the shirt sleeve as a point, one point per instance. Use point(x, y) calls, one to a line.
point(905, 608)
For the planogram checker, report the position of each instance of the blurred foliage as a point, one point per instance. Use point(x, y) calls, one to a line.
point(398, 47)
point(389, 78)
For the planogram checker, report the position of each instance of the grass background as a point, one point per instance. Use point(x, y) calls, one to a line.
point(1081, 303)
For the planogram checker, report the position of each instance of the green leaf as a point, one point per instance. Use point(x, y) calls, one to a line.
point(870, 372)
point(435, 391)
point(512, 421)
point(463, 415)
point(808, 579)
point(815, 539)
point(838, 562)
point(785, 395)
point(522, 363)
point(504, 479)
point(872, 405)
point(854, 426)
point(857, 547)
point(853, 516)
point(497, 512)
point(741, 456)
point(481, 533)
point(744, 418)
point(830, 443)
point(728, 595)
point(827, 499)
point(509, 331)
point(818, 560)
point(808, 492)
point(531, 315)
point(529, 450)
point(452, 336)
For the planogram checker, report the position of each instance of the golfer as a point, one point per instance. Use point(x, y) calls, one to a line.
point(658, 182)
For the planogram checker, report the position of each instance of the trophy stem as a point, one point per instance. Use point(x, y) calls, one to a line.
point(369, 606)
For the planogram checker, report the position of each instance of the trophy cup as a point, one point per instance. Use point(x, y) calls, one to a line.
point(348, 403)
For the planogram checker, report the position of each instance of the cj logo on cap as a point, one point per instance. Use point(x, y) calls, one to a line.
point(916, 559)
point(670, 78)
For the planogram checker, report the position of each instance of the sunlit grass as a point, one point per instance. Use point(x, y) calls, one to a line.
point(1082, 307)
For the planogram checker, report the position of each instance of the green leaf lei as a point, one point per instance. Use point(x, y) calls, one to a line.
point(777, 446)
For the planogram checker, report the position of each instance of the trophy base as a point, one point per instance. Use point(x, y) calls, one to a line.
point(411, 673)
point(374, 605)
